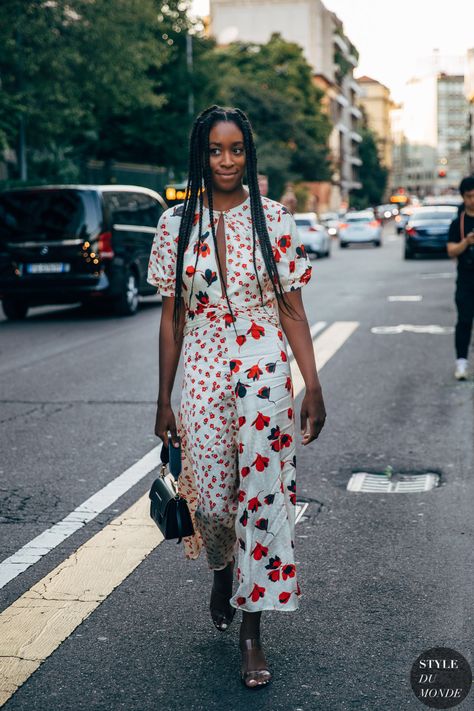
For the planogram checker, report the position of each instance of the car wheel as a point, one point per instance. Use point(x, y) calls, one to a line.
point(127, 304)
point(343, 245)
point(377, 243)
point(14, 309)
point(409, 254)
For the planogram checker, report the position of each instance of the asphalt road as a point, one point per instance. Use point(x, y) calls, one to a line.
point(384, 576)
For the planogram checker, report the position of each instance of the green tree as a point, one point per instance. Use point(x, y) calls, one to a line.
point(70, 70)
point(372, 173)
point(273, 84)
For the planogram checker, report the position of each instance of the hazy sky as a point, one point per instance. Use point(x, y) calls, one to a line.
point(393, 36)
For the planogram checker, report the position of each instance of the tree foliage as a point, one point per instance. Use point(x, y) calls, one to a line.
point(372, 173)
point(111, 80)
point(72, 69)
point(273, 84)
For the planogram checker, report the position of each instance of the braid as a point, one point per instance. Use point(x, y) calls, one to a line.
point(200, 179)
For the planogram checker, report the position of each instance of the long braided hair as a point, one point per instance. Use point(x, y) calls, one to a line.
point(200, 180)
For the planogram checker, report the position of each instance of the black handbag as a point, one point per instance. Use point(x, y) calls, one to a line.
point(167, 508)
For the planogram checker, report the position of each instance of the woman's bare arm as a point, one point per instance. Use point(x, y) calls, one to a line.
point(296, 328)
point(169, 353)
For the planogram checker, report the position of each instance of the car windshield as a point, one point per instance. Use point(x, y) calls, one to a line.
point(359, 218)
point(40, 214)
point(302, 222)
point(429, 216)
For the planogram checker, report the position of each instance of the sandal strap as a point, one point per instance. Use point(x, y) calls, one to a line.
point(248, 644)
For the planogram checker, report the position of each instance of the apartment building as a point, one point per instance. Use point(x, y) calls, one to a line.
point(469, 92)
point(329, 52)
point(377, 104)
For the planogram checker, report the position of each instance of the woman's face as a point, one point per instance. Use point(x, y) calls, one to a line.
point(226, 156)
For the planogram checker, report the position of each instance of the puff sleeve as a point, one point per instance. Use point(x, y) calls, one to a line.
point(162, 262)
point(294, 267)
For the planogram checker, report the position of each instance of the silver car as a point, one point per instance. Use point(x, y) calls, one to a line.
point(359, 228)
point(314, 236)
point(331, 221)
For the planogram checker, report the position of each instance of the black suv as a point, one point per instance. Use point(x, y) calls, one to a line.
point(88, 243)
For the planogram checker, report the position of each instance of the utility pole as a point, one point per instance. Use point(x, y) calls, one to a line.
point(189, 62)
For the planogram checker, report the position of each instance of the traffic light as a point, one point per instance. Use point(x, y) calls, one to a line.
point(442, 172)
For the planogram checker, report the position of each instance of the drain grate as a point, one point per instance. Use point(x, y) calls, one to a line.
point(373, 483)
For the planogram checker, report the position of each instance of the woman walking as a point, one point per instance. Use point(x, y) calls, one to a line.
point(230, 266)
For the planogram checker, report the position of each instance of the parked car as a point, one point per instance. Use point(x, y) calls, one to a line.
point(62, 244)
point(360, 227)
point(331, 221)
point(427, 230)
point(402, 218)
point(386, 212)
point(314, 236)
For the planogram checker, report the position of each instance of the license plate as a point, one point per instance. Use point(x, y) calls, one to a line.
point(48, 268)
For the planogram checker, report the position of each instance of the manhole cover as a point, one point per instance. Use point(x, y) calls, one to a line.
point(373, 483)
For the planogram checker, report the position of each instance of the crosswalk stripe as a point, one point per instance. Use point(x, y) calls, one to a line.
point(47, 614)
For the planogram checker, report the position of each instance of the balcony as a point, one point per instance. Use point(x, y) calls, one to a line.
point(342, 44)
point(355, 160)
point(356, 112)
point(342, 128)
point(355, 87)
point(341, 100)
point(356, 137)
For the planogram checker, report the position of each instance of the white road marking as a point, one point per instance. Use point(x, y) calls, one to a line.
point(314, 330)
point(41, 619)
point(38, 622)
point(406, 297)
point(300, 509)
point(33, 551)
point(440, 275)
point(409, 328)
point(325, 346)
point(41, 545)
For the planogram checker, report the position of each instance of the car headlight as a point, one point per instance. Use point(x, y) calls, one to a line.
point(332, 231)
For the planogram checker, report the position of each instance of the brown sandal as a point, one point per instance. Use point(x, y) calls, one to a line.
point(253, 678)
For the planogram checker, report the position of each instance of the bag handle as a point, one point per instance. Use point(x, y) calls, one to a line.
point(461, 224)
point(173, 461)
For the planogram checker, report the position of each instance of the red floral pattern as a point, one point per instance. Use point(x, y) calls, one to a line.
point(236, 417)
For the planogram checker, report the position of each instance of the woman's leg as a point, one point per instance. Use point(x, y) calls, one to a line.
point(254, 669)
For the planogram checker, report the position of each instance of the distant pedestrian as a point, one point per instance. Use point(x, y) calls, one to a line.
point(230, 265)
point(461, 246)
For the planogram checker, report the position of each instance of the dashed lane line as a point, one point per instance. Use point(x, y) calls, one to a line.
point(36, 624)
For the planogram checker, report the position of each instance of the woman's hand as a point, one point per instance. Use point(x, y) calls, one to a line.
point(165, 422)
point(313, 415)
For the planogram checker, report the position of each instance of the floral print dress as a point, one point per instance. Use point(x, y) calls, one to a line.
point(236, 418)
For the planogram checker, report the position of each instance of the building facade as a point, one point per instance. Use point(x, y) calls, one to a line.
point(469, 92)
point(431, 141)
point(452, 129)
point(327, 50)
point(377, 104)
